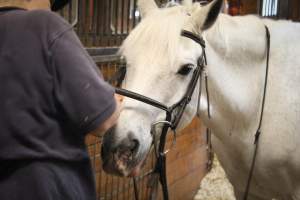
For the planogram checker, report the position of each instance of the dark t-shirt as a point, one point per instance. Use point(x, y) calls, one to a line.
point(51, 96)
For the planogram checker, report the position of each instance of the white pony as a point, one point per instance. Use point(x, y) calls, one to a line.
point(236, 51)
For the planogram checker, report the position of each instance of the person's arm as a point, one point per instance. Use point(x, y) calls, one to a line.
point(110, 122)
point(83, 98)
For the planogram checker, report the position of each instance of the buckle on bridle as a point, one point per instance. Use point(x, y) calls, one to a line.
point(154, 133)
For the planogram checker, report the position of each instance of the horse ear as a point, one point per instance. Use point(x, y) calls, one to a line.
point(205, 16)
point(146, 6)
point(187, 3)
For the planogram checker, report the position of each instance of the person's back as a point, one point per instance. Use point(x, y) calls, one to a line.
point(51, 97)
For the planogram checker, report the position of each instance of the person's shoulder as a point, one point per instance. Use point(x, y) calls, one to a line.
point(50, 19)
point(46, 22)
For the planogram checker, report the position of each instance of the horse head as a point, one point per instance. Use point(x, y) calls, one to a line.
point(160, 63)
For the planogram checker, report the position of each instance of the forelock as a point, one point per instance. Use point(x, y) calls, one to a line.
point(156, 37)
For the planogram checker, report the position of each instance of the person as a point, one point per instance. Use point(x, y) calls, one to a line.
point(51, 96)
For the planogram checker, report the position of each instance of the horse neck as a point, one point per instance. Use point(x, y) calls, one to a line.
point(236, 53)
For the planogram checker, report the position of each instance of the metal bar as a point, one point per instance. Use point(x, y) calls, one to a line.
point(112, 187)
point(298, 12)
point(268, 7)
point(100, 23)
point(97, 25)
point(75, 8)
point(106, 187)
point(70, 14)
point(134, 10)
point(272, 7)
point(79, 25)
point(135, 187)
point(103, 51)
point(124, 186)
point(128, 16)
point(117, 188)
point(100, 184)
point(116, 21)
point(116, 68)
point(118, 182)
point(104, 11)
point(128, 190)
point(288, 9)
point(94, 22)
point(122, 19)
point(278, 9)
point(109, 22)
point(275, 9)
point(86, 22)
point(259, 7)
point(264, 10)
point(142, 185)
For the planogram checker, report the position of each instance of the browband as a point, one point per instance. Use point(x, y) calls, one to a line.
point(193, 37)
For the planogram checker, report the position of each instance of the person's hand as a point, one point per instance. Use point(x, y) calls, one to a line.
point(119, 98)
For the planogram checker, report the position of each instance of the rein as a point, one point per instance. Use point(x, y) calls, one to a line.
point(258, 131)
point(175, 112)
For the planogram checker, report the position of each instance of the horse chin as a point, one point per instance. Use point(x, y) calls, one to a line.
point(124, 166)
point(137, 169)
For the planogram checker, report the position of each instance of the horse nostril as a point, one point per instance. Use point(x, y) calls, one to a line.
point(129, 145)
point(135, 146)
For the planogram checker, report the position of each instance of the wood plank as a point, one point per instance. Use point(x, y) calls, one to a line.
point(185, 188)
point(185, 165)
point(295, 10)
point(249, 7)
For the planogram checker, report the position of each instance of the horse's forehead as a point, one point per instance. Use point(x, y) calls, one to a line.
point(163, 50)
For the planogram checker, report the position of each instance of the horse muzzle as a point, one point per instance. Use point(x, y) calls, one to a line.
point(123, 158)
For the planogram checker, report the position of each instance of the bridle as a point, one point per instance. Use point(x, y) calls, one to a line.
point(175, 112)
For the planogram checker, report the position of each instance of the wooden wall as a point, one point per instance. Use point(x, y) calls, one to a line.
point(249, 7)
point(241, 7)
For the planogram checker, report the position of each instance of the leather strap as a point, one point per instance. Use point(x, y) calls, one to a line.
point(194, 37)
point(258, 131)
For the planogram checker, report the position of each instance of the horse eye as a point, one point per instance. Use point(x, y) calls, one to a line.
point(185, 69)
